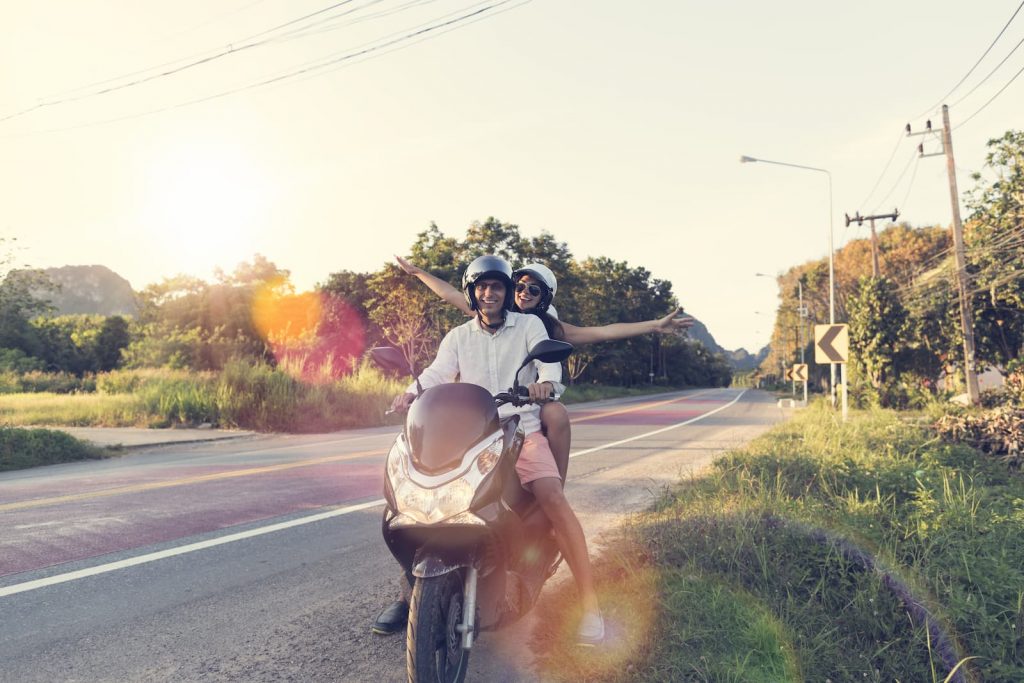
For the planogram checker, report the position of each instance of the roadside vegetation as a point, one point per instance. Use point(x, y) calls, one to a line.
point(248, 351)
point(22, 448)
point(871, 550)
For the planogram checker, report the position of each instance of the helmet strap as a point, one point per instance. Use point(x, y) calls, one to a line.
point(492, 326)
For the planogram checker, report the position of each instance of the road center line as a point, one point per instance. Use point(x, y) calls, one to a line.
point(337, 512)
point(136, 488)
point(642, 406)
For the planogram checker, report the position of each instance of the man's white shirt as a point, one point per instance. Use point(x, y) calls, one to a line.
point(490, 360)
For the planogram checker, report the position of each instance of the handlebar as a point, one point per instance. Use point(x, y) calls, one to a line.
point(522, 398)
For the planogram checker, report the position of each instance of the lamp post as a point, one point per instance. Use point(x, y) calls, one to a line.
point(831, 262)
point(801, 315)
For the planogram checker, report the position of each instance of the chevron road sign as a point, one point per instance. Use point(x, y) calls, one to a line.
point(788, 374)
point(800, 372)
point(831, 343)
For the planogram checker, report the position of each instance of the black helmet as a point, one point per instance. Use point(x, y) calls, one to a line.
point(487, 266)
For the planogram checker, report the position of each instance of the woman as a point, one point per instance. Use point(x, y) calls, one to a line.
point(535, 287)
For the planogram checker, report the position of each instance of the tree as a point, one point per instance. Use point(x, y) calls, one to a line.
point(993, 237)
point(20, 301)
point(878, 322)
point(112, 338)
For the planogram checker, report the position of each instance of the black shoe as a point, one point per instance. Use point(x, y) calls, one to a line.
point(392, 618)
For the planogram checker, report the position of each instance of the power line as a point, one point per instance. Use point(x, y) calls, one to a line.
point(892, 156)
point(416, 35)
point(896, 184)
point(985, 79)
point(971, 70)
point(990, 100)
point(194, 61)
point(910, 186)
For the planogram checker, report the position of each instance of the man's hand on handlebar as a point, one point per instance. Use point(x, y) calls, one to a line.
point(541, 391)
point(402, 403)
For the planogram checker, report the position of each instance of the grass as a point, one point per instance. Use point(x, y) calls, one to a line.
point(874, 551)
point(21, 448)
point(244, 395)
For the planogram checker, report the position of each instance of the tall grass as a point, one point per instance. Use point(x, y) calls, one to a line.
point(243, 395)
point(884, 553)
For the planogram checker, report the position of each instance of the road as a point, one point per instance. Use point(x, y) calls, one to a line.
point(260, 559)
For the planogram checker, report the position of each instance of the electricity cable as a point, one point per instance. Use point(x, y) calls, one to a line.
point(419, 33)
point(229, 49)
point(971, 70)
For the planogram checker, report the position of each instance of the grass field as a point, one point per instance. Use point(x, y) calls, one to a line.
point(243, 396)
point(865, 551)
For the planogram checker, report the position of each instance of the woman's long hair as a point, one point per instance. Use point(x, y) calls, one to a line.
point(551, 324)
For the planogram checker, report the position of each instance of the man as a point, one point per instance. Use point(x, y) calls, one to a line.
point(487, 351)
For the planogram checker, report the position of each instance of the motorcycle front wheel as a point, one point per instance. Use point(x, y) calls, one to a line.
point(433, 644)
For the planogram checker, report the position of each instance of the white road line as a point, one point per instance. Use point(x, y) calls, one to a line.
point(657, 431)
point(231, 538)
point(181, 550)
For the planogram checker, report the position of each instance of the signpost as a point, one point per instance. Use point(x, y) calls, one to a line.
point(832, 345)
point(800, 375)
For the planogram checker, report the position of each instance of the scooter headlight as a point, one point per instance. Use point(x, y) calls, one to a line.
point(429, 506)
point(396, 461)
point(488, 458)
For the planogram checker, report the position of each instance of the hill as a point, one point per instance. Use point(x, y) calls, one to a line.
point(91, 289)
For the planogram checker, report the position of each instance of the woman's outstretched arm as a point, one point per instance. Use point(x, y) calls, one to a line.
point(672, 323)
point(437, 285)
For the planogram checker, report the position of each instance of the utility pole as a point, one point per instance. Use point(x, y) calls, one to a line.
point(859, 220)
point(966, 314)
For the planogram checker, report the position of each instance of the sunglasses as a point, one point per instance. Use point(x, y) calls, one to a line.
point(533, 289)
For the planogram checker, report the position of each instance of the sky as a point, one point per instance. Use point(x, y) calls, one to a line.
point(616, 126)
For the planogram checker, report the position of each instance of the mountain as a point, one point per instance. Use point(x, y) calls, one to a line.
point(91, 289)
point(740, 359)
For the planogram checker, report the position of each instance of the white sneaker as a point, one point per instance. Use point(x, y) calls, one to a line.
point(591, 631)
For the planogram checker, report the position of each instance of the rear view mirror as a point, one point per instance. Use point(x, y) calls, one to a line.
point(549, 351)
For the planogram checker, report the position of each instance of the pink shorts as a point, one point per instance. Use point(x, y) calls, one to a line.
point(536, 460)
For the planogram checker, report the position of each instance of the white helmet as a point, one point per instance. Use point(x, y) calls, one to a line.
point(542, 274)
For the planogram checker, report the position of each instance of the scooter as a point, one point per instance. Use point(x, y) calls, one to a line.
point(474, 543)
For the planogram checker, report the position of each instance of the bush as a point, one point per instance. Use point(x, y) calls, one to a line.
point(131, 381)
point(998, 431)
point(17, 361)
point(21, 448)
point(57, 383)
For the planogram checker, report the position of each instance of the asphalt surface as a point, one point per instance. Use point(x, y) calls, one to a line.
point(259, 558)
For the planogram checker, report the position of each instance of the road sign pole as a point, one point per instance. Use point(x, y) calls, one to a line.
point(843, 366)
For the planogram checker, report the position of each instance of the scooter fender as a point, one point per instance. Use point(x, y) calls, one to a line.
point(428, 563)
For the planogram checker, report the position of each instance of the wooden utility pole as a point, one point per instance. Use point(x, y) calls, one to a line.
point(859, 220)
point(966, 313)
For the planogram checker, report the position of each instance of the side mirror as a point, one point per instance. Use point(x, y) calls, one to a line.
point(549, 351)
point(390, 360)
point(546, 351)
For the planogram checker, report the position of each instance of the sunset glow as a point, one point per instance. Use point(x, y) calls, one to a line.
point(316, 337)
point(204, 204)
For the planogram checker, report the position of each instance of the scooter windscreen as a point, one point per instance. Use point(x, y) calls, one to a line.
point(445, 421)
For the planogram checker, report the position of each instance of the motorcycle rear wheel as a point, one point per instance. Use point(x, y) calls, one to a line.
point(433, 646)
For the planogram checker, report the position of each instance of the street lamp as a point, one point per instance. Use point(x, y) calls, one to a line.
point(831, 263)
point(801, 314)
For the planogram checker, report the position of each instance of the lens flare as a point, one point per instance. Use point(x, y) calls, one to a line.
point(316, 337)
point(628, 596)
